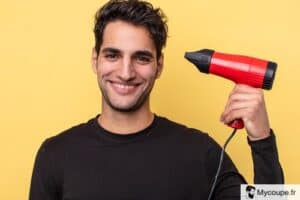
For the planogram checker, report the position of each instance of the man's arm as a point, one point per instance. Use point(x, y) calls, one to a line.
point(248, 104)
point(267, 169)
point(43, 181)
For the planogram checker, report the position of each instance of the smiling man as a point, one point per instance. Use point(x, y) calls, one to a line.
point(128, 152)
point(127, 66)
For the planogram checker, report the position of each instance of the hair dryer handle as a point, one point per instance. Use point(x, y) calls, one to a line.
point(237, 123)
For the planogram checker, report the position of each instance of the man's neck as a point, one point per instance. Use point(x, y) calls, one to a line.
point(125, 122)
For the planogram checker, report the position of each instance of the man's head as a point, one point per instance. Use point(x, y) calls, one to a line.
point(127, 56)
point(139, 13)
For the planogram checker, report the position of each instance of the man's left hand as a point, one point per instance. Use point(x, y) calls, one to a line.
point(247, 103)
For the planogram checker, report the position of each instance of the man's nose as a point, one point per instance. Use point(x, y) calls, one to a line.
point(127, 71)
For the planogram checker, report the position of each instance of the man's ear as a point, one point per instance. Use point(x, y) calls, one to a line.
point(94, 60)
point(160, 65)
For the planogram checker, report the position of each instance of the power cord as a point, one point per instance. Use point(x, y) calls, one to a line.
point(220, 164)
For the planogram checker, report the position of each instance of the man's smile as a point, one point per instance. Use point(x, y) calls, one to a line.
point(124, 88)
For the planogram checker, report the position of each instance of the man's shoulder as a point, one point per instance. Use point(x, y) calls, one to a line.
point(177, 129)
point(70, 136)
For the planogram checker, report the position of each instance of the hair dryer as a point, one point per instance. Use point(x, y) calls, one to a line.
point(238, 68)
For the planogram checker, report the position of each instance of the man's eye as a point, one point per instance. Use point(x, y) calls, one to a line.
point(143, 59)
point(111, 57)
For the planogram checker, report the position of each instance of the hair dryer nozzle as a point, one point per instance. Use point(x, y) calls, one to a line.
point(201, 59)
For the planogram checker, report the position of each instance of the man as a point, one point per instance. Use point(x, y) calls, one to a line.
point(127, 152)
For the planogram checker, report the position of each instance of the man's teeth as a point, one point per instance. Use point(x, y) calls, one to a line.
point(123, 86)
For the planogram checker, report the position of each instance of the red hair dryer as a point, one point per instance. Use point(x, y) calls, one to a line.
point(240, 69)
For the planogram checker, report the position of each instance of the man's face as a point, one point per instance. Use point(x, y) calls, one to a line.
point(126, 66)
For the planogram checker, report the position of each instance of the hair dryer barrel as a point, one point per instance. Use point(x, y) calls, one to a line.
point(238, 68)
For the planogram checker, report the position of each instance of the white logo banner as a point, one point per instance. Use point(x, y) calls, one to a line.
point(270, 192)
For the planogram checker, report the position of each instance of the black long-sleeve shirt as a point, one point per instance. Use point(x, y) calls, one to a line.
point(164, 161)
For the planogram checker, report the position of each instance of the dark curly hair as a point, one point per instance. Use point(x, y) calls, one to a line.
point(140, 13)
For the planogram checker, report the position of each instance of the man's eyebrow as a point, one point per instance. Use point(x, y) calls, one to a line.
point(110, 50)
point(144, 53)
point(137, 53)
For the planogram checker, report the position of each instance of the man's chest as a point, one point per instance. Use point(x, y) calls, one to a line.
point(122, 173)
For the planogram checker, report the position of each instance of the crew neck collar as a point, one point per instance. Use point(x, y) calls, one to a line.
point(147, 131)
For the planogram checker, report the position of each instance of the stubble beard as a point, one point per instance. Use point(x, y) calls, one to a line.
point(141, 100)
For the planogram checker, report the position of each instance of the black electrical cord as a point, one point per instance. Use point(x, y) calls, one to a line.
point(220, 164)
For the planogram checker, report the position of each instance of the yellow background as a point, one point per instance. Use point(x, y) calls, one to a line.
point(47, 85)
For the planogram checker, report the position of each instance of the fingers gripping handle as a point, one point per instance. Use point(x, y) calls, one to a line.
point(237, 123)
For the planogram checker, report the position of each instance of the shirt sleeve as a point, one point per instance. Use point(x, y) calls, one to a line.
point(267, 168)
point(43, 181)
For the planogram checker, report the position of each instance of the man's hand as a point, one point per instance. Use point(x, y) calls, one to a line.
point(247, 103)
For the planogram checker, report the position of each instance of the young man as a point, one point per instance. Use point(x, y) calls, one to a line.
point(127, 152)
